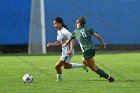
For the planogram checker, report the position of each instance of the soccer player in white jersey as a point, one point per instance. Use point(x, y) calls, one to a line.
point(67, 52)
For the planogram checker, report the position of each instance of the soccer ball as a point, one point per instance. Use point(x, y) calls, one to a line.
point(27, 78)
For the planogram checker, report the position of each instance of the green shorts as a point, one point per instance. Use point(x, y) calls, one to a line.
point(89, 53)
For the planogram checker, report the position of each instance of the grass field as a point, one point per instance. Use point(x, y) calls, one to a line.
point(124, 67)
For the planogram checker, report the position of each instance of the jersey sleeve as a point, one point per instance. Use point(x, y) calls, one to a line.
point(73, 35)
point(66, 33)
point(92, 31)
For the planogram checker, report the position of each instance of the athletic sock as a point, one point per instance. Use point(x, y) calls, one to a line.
point(76, 65)
point(102, 73)
point(59, 76)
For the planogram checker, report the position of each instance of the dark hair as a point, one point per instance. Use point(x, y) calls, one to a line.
point(60, 20)
point(82, 20)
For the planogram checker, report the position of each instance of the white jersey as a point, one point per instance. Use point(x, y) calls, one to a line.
point(62, 36)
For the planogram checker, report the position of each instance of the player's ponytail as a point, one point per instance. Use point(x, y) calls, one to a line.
point(60, 20)
point(65, 26)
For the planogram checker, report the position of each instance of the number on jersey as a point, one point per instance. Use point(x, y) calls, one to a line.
point(83, 33)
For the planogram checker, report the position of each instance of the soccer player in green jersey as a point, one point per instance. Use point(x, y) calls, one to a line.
point(83, 35)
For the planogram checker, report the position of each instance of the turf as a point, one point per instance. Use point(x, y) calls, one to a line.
point(124, 67)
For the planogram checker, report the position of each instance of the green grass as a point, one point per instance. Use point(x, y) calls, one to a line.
point(124, 67)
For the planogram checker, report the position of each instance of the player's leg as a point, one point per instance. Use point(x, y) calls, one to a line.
point(68, 65)
point(99, 71)
point(58, 66)
point(88, 58)
point(90, 63)
point(74, 65)
point(84, 62)
point(87, 55)
point(67, 58)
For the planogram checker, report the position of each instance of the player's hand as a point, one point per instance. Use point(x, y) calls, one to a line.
point(104, 44)
point(64, 45)
point(49, 44)
point(69, 52)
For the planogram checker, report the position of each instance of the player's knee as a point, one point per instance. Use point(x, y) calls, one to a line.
point(57, 67)
point(83, 62)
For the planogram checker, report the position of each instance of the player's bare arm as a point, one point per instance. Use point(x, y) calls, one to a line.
point(54, 44)
point(67, 42)
point(72, 47)
point(100, 39)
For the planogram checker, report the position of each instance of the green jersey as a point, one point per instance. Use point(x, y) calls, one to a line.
point(83, 35)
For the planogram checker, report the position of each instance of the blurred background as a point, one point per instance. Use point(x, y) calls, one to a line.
point(117, 21)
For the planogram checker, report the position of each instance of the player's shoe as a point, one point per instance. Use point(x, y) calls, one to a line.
point(111, 79)
point(85, 68)
point(58, 79)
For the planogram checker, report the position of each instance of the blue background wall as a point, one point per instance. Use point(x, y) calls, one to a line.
point(117, 21)
point(14, 21)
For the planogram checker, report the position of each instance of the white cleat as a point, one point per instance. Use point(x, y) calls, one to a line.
point(58, 79)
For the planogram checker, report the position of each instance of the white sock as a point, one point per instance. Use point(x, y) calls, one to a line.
point(59, 76)
point(76, 65)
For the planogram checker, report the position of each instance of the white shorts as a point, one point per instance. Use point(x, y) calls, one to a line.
point(65, 57)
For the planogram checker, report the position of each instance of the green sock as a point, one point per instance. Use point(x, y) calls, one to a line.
point(102, 73)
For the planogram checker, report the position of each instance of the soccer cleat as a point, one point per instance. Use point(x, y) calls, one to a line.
point(85, 68)
point(58, 79)
point(111, 79)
